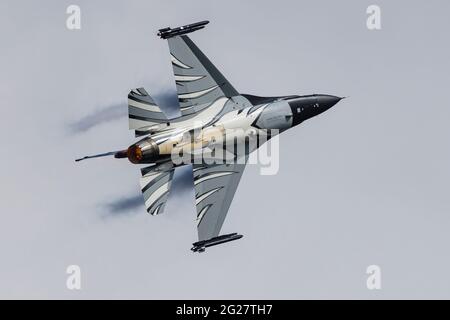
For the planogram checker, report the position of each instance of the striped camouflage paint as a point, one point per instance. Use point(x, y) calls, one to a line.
point(142, 110)
point(198, 81)
point(215, 186)
point(155, 187)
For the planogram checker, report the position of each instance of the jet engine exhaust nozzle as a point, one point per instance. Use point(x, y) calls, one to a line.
point(145, 151)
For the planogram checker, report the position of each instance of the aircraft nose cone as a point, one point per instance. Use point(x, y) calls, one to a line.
point(327, 101)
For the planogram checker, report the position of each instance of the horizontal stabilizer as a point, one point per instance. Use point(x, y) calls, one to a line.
point(155, 187)
point(143, 111)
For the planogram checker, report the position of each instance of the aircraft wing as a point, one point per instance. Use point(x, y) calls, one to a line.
point(198, 81)
point(215, 186)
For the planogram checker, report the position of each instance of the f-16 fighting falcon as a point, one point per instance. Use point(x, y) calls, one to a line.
point(215, 121)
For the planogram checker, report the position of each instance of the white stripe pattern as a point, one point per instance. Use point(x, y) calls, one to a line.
point(145, 106)
point(145, 180)
point(187, 78)
point(206, 195)
point(155, 195)
point(202, 213)
point(186, 108)
point(204, 116)
point(178, 63)
point(212, 176)
point(197, 93)
point(157, 210)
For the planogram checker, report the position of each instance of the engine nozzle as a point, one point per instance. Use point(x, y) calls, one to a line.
point(144, 151)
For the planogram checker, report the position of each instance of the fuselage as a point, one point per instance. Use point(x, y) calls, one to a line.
point(228, 123)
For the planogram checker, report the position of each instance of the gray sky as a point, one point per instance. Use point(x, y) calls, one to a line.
point(365, 183)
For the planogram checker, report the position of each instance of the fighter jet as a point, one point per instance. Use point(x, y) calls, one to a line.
point(215, 120)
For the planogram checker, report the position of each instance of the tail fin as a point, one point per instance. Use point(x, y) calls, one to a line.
point(143, 111)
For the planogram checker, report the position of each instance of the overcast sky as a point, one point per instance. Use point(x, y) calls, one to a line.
point(366, 183)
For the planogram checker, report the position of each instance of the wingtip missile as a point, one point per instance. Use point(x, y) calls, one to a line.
point(168, 32)
point(200, 246)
